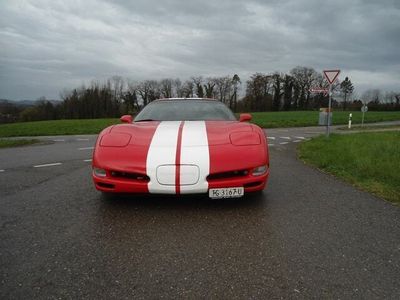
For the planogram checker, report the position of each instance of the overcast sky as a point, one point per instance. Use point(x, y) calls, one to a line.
point(46, 46)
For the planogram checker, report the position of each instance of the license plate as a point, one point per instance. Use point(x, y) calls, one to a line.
point(234, 192)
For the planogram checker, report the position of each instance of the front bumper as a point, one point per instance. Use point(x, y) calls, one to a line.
point(118, 185)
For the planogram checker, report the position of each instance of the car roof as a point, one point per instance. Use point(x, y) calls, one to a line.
point(185, 99)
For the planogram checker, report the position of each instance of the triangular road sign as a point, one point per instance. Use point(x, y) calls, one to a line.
point(331, 75)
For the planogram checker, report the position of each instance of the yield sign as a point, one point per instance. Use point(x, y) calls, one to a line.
point(331, 75)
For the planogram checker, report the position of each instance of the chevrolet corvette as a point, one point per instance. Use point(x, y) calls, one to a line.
point(182, 146)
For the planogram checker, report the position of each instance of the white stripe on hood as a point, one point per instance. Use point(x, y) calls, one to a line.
point(194, 152)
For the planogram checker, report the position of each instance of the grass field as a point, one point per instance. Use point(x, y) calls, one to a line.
point(5, 143)
point(370, 161)
point(56, 127)
point(369, 128)
point(263, 119)
point(310, 118)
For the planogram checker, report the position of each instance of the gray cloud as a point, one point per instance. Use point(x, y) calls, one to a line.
point(47, 46)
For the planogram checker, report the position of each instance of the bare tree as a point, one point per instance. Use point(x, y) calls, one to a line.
point(148, 91)
point(258, 94)
point(305, 78)
point(188, 89)
point(197, 81)
point(178, 87)
point(166, 87)
point(288, 84)
point(117, 86)
point(223, 86)
point(130, 97)
point(209, 87)
point(236, 83)
point(347, 89)
point(277, 90)
point(372, 95)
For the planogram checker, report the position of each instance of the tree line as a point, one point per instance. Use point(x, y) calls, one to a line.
point(261, 92)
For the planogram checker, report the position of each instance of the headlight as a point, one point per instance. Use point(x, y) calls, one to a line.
point(261, 170)
point(99, 172)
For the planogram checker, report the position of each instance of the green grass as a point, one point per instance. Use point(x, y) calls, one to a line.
point(56, 127)
point(6, 143)
point(263, 119)
point(369, 160)
point(310, 118)
point(368, 128)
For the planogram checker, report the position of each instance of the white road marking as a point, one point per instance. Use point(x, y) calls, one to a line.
point(82, 139)
point(271, 144)
point(285, 137)
point(86, 148)
point(284, 143)
point(2, 171)
point(300, 137)
point(59, 140)
point(87, 160)
point(296, 141)
point(47, 165)
point(271, 137)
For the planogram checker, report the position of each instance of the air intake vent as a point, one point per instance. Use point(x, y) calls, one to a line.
point(227, 175)
point(130, 176)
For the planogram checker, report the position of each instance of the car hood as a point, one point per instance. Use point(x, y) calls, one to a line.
point(217, 132)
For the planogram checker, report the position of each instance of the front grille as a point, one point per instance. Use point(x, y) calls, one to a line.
point(227, 175)
point(105, 185)
point(129, 176)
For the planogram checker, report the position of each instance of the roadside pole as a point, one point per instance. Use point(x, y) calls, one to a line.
point(331, 76)
point(362, 121)
point(328, 123)
point(350, 115)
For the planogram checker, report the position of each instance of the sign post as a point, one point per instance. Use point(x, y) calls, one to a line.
point(364, 109)
point(331, 76)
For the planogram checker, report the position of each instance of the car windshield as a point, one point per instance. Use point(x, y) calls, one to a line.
point(185, 110)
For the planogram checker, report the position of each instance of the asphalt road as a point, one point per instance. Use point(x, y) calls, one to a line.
point(308, 235)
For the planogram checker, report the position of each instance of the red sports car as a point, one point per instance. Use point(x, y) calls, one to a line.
point(182, 146)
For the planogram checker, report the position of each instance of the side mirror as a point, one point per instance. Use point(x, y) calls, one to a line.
point(126, 119)
point(244, 117)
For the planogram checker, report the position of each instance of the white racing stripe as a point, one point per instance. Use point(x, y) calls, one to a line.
point(195, 152)
point(162, 152)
